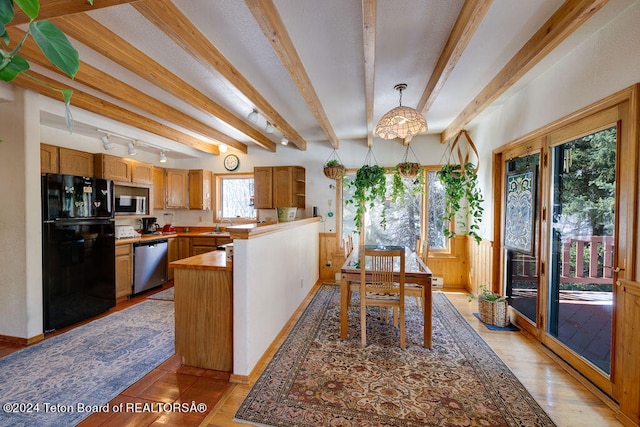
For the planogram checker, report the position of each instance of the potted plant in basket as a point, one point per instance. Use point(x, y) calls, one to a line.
point(492, 307)
point(402, 173)
point(333, 169)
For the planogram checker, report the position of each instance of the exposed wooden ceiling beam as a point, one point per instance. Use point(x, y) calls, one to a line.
point(96, 105)
point(99, 38)
point(470, 17)
point(113, 87)
point(561, 25)
point(267, 16)
point(53, 8)
point(168, 18)
point(369, 19)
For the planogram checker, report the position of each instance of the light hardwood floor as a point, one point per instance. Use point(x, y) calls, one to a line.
point(566, 400)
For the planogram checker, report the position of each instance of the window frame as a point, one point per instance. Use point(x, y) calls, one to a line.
point(217, 211)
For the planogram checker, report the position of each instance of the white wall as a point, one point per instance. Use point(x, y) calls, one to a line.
point(20, 223)
point(272, 275)
point(605, 63)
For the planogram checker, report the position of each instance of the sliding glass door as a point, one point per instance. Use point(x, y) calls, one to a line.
point(581, 236)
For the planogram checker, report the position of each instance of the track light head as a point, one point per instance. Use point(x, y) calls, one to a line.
point(253, 116)
point(222, 148)
point(132, 149)
point(106, 144)
point(268, 128)
point(284, 140)
point(163, 157)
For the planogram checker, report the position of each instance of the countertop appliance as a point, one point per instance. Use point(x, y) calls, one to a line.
point(131, 205)
point(149, 264)
point(78, 249)
point(149, 225)
point(126, 232)
point(168, 219)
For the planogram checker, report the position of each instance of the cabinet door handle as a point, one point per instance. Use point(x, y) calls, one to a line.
point(618, 269)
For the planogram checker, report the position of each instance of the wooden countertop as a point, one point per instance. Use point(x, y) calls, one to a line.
point(214, 260)
point(249, 231)
point(145, 238)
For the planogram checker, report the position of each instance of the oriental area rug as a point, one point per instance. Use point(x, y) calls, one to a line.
point(65, 378)
point(317, 379)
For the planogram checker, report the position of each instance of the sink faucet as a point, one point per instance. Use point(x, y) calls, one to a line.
point(217, 230)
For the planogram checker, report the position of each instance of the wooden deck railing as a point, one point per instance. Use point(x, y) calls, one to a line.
point(594, 252)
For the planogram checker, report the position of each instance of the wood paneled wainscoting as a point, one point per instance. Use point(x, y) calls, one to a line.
point(466, 265)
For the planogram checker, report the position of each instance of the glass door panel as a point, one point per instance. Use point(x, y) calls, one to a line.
point(522, 268)
point(583, 187)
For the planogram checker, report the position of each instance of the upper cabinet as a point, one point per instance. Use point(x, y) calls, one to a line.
point(123, 170)
point(159, 196)
point(112, 167)
point(280, 186)
point(49, 159)
point(74, 162)
point(263, 187)
point(141, 173)
point(200, 185)
point(177, 188)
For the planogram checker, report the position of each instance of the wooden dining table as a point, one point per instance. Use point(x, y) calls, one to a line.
point(416, 272)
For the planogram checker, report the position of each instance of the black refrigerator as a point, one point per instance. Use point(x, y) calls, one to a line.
point(78, 249)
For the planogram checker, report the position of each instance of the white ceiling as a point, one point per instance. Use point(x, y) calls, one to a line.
point(328, 37)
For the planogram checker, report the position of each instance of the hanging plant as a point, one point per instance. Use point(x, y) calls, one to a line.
point(370, 186)
point(461, 183)
point(408, 170)
point(333, 167)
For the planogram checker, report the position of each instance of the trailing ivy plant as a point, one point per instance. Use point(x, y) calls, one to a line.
point(462, 184)
point(370, 186)
point(399, 185)
point(53, 43)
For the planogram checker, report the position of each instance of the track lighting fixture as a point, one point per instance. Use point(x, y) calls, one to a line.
point(222, 148)
point(163, 157)
point(108, 145)
point(132, 149)
point(284, 140)
point(253, 116)
point(268, 128)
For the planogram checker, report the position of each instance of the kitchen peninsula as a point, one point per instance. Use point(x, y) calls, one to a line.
point(233, 311)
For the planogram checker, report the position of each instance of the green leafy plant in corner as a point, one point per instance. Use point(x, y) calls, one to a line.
point(487, 294)
point(53, 43)
point(370, 186)
point(462, 184)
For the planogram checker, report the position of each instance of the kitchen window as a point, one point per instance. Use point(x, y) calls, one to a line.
point(234, 197)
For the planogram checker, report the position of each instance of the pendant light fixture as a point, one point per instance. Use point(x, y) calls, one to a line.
point(401, 122)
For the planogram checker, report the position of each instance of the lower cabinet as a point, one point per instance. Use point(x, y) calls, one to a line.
point(124, 272)
point(201, 245)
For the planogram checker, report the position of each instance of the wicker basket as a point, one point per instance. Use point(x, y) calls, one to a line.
point(408, 169)
point(494, 312)
point(334, 172)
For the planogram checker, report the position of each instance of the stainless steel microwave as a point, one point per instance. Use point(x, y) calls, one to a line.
point(131, 205)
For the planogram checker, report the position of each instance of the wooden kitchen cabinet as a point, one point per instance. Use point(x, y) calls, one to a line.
point(141, 173)
point(173, 254)
point(177, 188)
point(184, 247)
point(112, 167)
point(200, 187)
point(263, 187)
point(159, 195)
point(74, 162)
point(279, 187)
point(201, 245)
point(289, 186)
point(49, 159)
point(124, 272)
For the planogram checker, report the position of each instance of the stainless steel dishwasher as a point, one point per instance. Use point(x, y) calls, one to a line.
point(149, 264)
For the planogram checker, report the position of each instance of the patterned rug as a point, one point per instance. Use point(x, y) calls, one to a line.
point(63, 379)
point(317, 379)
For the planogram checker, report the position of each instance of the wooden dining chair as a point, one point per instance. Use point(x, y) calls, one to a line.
point(382, 288)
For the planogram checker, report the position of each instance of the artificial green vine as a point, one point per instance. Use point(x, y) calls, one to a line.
point(370, 186)
point(462, 184)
